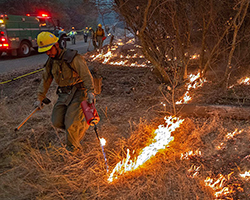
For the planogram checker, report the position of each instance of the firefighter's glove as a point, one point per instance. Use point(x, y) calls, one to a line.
point(90, 98)
point(94, 122)
point(38, 104)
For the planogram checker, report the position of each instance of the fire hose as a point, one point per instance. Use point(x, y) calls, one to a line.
point(92, 119)
point(45, 101)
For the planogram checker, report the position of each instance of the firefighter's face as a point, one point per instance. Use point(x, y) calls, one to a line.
point(52, 52)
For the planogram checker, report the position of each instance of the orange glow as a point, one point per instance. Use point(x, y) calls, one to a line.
point(160, 141)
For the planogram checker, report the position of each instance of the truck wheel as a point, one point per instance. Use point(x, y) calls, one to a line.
point(24, 49)
point(1, 53)
point(62, 42)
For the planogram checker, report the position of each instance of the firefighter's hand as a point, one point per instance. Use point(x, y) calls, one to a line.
point(90, 98)
point(94, 122)
point(38, 104)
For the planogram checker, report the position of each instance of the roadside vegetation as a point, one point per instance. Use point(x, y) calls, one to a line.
point(179, 54)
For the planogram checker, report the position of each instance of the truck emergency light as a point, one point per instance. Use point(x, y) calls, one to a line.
point(4, 45)
point(1, 21)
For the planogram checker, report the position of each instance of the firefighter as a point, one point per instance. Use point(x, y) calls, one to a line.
point(72, 35)
point(86, 34)
point(92, 39)
point(99, 36)
point(75, 84)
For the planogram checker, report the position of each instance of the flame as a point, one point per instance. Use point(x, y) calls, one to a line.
point(246, 175)
point(132, 41)
point(242, 81)
point(194, 171)
point(187, 155)
point(194, 82)
point(218, 185)
point(229, 136)
point(245, 81)
point(236, 132)
point(107, 57)
point(195, 56)
point(120, 43)
point(102, 141)
point(160, 141)
point(215, 184)
point(222, 191)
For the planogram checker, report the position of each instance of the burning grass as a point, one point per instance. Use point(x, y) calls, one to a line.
point(35, 164)
point(51, 172)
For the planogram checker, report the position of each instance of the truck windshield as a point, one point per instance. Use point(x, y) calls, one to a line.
point(46, 22)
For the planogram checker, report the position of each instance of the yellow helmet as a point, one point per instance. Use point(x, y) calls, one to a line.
point(45, 41)
point(99, 25)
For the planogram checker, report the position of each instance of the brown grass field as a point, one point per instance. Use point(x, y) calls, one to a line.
point(35, 165)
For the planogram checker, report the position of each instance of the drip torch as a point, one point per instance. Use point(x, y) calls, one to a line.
point(92, 119)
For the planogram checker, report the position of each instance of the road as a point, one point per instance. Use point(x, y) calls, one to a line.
point(9, 64)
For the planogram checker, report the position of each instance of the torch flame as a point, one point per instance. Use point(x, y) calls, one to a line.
point(102, 141)
point(160, 141)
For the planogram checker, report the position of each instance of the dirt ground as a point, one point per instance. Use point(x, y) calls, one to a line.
point(34, 165)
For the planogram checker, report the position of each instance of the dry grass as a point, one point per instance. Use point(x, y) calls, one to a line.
point(50, 172)
point(35, 164)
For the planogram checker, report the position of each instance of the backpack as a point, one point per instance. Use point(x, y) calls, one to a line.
point(68, 57)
